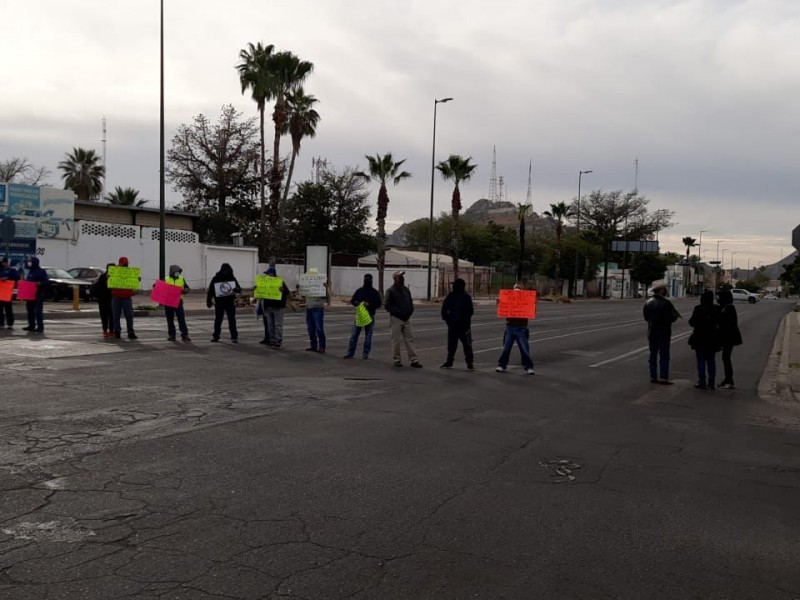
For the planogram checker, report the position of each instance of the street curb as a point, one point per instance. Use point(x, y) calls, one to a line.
point(776, 382)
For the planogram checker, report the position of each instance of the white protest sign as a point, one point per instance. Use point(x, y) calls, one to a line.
point(313, 284)
point(225, 288)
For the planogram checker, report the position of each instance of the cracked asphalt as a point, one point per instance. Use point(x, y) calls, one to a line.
point(158, 470)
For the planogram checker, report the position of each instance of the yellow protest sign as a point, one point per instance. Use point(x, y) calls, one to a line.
point(268, 287)
point(124, 278)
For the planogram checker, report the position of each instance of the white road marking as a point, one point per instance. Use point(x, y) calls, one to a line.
point(637, 351)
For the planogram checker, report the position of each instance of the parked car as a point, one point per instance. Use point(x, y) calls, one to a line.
point(770, 296)
point(62, 284)
point(90, 274)
point(744, 296)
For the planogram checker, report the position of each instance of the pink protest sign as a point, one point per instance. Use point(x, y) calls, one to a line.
point(26, 290)
point(6, 290)
point(166, 294)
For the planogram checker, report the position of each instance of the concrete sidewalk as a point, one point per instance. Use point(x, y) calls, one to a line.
point(781, 380)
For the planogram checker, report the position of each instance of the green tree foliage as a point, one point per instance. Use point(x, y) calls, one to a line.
point(558, 214)
point(487, 244)
point(648, 267)
point(125, 197)
point(791, 275)
point(456, 169)
point(302, 123)
point(21, 170)
point(82, 173)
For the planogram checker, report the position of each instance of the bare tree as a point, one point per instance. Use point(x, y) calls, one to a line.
point(21, 170)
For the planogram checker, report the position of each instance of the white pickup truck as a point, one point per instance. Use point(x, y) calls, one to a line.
point(744, 296)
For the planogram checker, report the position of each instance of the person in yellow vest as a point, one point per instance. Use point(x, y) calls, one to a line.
point(176, 278)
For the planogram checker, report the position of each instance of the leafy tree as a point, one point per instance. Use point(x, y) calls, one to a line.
point(456, 169)
point(648, 267)
point(791, 275)
point(559, 213)
point(690, 243)
point(303, 120)
point(383, 169)
point(125, 197)
point(21, 170)
point(82, 173)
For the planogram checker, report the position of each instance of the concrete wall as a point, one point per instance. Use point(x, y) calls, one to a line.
point(243, 260)
point(124, 215)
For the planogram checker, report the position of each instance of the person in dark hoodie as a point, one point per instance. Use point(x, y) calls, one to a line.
point(457, 311)
point(400, 307)
point(122, 303)
point(705, 339)
point(729, 335)
point(272, 311)
point(102, 294)
point(7, 273)
point(372, 302)
point(35, 308)
point(660, 314)
point(175, 277)
point(222, 290)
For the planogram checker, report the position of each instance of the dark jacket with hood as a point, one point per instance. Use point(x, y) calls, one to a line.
point(398, 301)
point(100, 289)
point(38, 275)
point(660, 314)
point(457, 309)
point(729, 334)
point(367, 294)
point(705, 324)
point(224, 274)
point(9, 274)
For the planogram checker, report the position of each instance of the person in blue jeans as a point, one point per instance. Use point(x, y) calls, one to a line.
point(35, 308)
point(372, 301)
point(516, 332)
point(315, 319)
point(660, 314)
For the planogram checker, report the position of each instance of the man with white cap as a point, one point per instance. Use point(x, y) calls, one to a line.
point(660, 314)
point(400, 307)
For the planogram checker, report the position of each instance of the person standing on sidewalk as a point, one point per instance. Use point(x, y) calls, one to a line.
point(516, 332)
point(660, 314)
point(102, 294)
point(7, 308)
point(35, 308)
point(315, 318)
point(371, 299)
point(729, 335)
point(457, 311)
point(272, 311)
point(222, 290)
point(122, 303)
point(175, 277)
point(705, 340)
point(400, 307)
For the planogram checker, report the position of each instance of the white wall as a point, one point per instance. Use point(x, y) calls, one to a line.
point(243, 260)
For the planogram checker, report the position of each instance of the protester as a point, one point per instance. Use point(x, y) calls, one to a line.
point(729, 335)
point(272, 311)
point(35, 308)
point(516, 332)
point(457, 311)
point(705, 340)
point(400, 307)
point(371, 299)
point(315, 319)
point(175, 277)
point(122, 303)
point(660, 314)
point(7, 273)
point(102, 294)
point(223, 298)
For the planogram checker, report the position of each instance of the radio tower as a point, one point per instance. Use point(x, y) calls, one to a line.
point(529, 197)
point(493, 177)
point(105, 168)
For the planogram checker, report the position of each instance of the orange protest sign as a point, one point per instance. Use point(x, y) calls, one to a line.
point(6, 290)
point(517, 304)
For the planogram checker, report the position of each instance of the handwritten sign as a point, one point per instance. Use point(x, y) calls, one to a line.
point(313, 285)
point(225, 288)
point(517, 304)
point(26, 290)
point(166, 294)
point(6, 290)
point(124, 278)
point(268, 287)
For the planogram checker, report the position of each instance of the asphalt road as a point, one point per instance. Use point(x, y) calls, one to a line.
point(151, 469)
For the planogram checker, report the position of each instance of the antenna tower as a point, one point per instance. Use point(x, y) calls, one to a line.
point(493, 177)
point(501, 182)
point(105, 168)
point(529, 196)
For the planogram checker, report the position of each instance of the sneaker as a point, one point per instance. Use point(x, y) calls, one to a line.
point(447, 365)
point(365, 357)
point(500, 369)
point(28, 328)
point(530, 371)
point(397, 363)
point(275, 345)
point(171, 338)
point(470, 367)
point(10, 327)
point(186, 338)
point(117, 335)
point(311, 349)
point(416, 365)
point(214, 339)
point(265, 342)
point(700, 386)
point(665, 382)
point(39, 330)
point(234, 341)
point(132, 336)
point(654, 381)
point(321, 350)
point(348, 356)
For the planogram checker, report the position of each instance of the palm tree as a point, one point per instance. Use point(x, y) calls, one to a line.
point(383, 168)
point(125, 197)
point(254, 76)
point(302, 123)
point(690, 243)
point(82, 173)
point(457, 169)
point(559, 214)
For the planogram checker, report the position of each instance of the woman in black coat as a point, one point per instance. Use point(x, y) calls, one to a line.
point(729, 335)
point(705, 339)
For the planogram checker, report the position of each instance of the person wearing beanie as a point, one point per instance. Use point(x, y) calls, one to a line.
point(705, 339)
point(175, 277)
point(729, 335)
point(35, 308)
point(272, 311)
point(7, 273)
point(457, 311)
point(122, 303)
point(223, 298)
point(371, 299)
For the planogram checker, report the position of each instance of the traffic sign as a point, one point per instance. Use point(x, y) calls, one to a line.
point(796, 238)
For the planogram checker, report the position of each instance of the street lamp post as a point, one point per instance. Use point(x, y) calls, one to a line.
point(733, 253)
point(578, 229)
point(433, 169)
point(700, 243)
point(162, 253)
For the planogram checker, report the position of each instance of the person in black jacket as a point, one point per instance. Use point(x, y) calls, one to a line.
point(660, 314)
point(729, 335)
point(457, 311)
point(35, 308)
point(372, 301)
point(400, 307)
point(102, 294)
point(222, 290)
point(705, 340)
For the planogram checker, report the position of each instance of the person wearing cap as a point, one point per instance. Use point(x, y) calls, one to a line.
point(516, 332)
point(122, 303)
point(371, 299)
point(660, 314)
point(315, 319)
point(175, 277)
point(7, 273)
point(272, 311)
point(400, 307)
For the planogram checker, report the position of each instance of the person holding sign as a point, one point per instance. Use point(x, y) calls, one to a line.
point(273, 305)
point(314, 286)
point(517, 333)
point(368, 297)
point(400, 307)
point(35, 307)
point(121, 300)
point(457, 311)
point(11, 276)
point(222, 290)
point(175, 278)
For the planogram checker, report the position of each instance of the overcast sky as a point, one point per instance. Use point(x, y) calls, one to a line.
point(704, 93)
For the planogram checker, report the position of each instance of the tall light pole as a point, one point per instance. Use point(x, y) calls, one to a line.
point(578, 229)
point(732, 255)
point(162, 253)
point(718, 241)
point(700, 243)
point(433, 170)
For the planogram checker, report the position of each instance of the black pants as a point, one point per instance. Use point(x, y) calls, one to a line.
point(455, 334)
point(727, 365)
point(106, 315)
point(6, 314)
point(223, 308)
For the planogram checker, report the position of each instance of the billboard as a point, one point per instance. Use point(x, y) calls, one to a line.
point(634, 246)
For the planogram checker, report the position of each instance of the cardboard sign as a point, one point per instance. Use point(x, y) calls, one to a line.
point(225, 288)
point(6, 290)
point(124, 278)
point(313, 285)
point(517, 304)
point(26, 290)
point(268, 287)
point(166, 294)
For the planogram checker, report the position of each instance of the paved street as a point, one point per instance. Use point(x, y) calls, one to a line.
point(152, 469)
